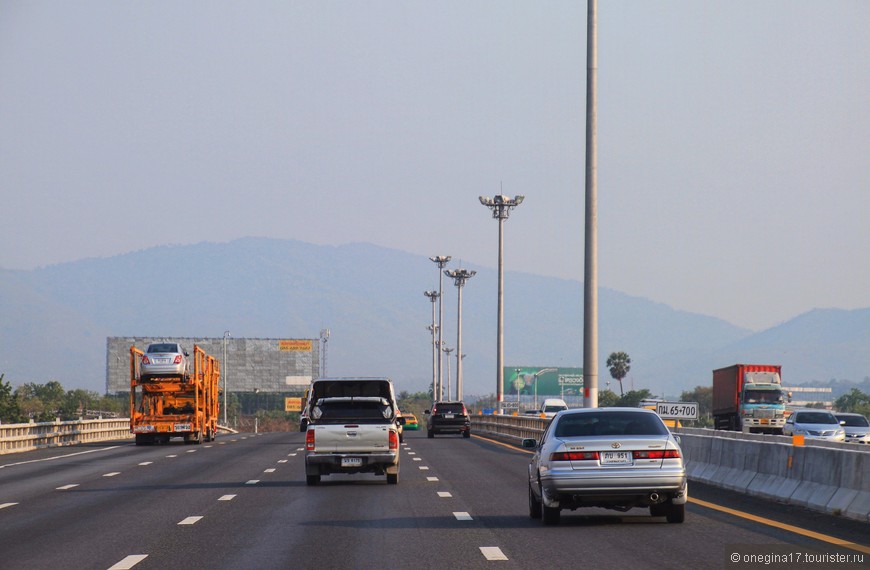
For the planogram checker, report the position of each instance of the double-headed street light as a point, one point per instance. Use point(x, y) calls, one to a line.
point(447, 350)
point(436, 354)
point(440, 261)
point(460, 276)
point(501, 207)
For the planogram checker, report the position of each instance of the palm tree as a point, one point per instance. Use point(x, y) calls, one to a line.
point(618, 363)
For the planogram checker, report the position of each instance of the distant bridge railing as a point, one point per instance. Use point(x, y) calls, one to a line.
point(16, 438)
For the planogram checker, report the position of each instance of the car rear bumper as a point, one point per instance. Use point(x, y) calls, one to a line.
point(325, 463)
point(623, 487)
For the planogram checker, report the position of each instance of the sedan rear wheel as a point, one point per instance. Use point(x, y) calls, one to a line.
point(676, 513)
point(534, 504)
point(312, 479)
point(550, 515)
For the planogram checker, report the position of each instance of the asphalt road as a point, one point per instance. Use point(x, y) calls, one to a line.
point(242, 502)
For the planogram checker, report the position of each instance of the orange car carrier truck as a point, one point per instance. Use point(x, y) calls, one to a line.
point(185, 406)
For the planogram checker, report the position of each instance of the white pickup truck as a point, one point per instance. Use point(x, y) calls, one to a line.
point(352, 433)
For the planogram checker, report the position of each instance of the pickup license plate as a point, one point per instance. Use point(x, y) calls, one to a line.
point(616, 458)
point(351, 461)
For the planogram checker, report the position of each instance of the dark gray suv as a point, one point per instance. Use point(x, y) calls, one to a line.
point(448, 417)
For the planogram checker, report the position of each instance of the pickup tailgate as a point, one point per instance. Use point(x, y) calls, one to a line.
point(351, 438)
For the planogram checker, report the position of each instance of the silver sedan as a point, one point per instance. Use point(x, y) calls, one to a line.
point(164, 359)
point(616, 458)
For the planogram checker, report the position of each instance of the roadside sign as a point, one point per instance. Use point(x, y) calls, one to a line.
point(292, 404)
point(677, 410)
point(510, 405)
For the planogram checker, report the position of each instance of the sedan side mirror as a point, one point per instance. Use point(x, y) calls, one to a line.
point(530, 442)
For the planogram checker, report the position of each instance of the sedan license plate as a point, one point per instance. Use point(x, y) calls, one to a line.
point(351, 461)
point(616, 458)
point(448, 416)
point(161, 361)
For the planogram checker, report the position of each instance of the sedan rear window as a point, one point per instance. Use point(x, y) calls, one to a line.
point(449, 409)
point(165, 347)
point(609, 424)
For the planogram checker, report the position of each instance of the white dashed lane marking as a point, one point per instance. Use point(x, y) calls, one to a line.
point(424, 468)
point(252, 482)
point(146, 463)
point(129, 562)
point(112, 474)
point(270, 470)
point(4, 505)
point(431, 479)
point(444, 494)
point(462, 516)
point(492, 553)
point(191, 520)
point(65, 487)
point(227, 498)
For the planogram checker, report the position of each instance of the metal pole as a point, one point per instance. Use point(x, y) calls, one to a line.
point(501, 207)
point(460, 276)
point(590, 281)
point(441, 261)
point(447, 351)
point(225, 369)
point(436, 353)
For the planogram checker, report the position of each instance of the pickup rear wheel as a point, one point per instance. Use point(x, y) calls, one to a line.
point(392, 478)
point(430, 434)
point(312, 480)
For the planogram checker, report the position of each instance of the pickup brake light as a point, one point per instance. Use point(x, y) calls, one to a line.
point(394, 439)
point(309, 440)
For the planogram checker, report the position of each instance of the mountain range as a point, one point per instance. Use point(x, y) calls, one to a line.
point(55, 319)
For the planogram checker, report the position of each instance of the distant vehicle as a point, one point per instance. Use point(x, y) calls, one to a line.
point(164, 359)
point(411, 421)
point(856, 425)
point(616, 458)
point(552, 406)
point(814, 424)
point(448, 417)
point(749, 398)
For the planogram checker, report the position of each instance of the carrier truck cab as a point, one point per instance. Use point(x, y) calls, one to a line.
point(749, 398)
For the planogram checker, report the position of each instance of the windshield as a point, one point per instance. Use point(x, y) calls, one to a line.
point(815, 418)
point(854, 421)
point(165, 347)
point(764, 397)
point(609, 423)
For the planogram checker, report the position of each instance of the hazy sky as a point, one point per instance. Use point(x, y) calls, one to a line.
point(734, 137)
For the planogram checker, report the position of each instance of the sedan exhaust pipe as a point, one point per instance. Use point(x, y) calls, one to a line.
point(654, 497)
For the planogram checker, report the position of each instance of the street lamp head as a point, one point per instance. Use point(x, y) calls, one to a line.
point(441, 260)
point(485, 201)
point(433, 295)
point(518, 200)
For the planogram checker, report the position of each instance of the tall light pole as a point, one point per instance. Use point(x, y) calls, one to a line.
point(460, 276)
point(225, 372)
point(436, 354)
point(324, 338)
point(501, 207)
point(447, 351)
point(590, 278)
point(538, 373)
point(441, 261)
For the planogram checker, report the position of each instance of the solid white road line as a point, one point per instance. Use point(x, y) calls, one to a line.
point(191, 520)
point(493, 553)
point(460, 516)
point(129, 562)
point(58, 457)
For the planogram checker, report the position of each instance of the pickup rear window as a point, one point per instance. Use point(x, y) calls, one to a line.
point(364, 410)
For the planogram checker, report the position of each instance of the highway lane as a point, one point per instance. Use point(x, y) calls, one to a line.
point(458, 502)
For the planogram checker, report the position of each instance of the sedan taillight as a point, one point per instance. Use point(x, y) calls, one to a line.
point(574, 456)
point(145, 360)
point(657, 454)
point(177, 359)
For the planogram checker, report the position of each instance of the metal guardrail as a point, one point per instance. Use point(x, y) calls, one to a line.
point(512, 429)
point(15, 438)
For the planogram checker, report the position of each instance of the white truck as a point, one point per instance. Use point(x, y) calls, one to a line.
point(352, 428)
